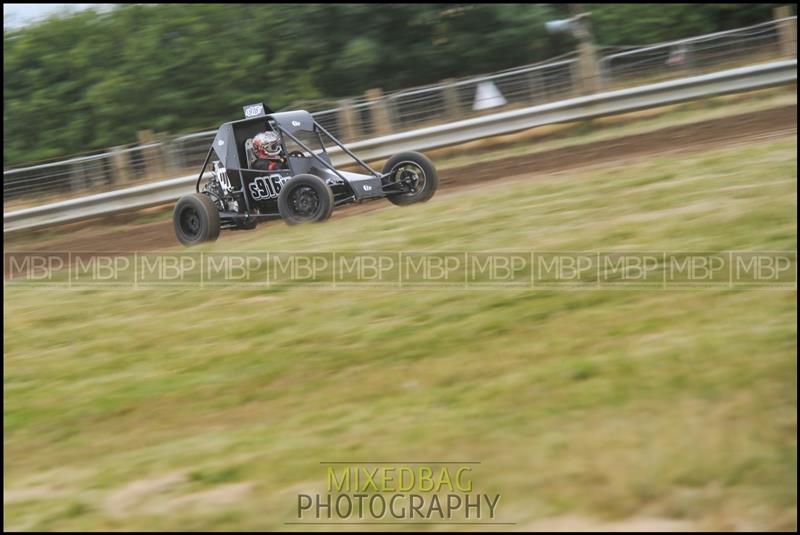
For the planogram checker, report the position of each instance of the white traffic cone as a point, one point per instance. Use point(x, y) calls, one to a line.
point(488, 96)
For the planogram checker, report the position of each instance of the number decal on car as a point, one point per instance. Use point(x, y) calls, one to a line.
point(267, 187)
point(253, 110)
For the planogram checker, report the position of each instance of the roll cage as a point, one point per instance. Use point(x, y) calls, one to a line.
point(229, 143)
point(296, 128)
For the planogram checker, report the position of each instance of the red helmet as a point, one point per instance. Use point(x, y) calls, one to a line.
point(267, 145)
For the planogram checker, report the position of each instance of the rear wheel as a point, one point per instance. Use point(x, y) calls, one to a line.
point(414, 171)
point(305, 199)
point(195, 219)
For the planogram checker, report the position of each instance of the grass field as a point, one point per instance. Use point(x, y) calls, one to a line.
point(212, 409)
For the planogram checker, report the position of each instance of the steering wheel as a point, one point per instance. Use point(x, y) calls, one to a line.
point(297, 154)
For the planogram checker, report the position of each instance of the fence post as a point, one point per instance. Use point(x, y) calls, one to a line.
point(173, 159)
point(153, 158)
point(787, 31)
point(589, 72)
point(346, 118)
point(120, 162)
point(379, 111)
point(77, 177)
point(535, 87)
point(576, 84)
point(452, 106)
point(94, 173)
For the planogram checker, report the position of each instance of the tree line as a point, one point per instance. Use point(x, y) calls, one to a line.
point(87, 80)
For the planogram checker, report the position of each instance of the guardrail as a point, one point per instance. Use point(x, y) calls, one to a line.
point(597, 105)
point(697, 54)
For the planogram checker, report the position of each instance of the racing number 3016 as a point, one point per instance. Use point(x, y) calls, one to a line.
point(266, 187)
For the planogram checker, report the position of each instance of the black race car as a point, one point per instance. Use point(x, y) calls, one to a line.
point(305, 187)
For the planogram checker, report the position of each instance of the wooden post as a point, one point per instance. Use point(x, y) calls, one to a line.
point(536, 88)
point(153, 157)
point(93, 173)
point(576, 76)
point(346, 118)
point(381, 118)
point(787, 31)
point(589, 74)
point(452, 107)
point(77, 179)
point(120, 162)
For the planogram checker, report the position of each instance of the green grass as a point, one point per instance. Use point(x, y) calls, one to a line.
point(212, 409)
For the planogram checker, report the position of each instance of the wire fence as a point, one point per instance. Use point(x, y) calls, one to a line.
point(697, 55)
point(377, 114)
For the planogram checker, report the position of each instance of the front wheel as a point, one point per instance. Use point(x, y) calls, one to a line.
point(304, 199)
point(414, 171)
point(195, 219)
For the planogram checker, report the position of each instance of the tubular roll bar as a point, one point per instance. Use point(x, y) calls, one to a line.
point(353, 156)
point(311, 152)
point(203, 170)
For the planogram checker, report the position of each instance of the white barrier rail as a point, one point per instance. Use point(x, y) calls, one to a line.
point(597, 105)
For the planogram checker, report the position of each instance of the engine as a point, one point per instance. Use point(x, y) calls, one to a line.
point(220, 189)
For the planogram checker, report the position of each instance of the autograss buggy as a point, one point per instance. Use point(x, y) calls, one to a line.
point(307, 189)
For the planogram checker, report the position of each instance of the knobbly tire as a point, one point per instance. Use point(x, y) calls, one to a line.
point(417, 172)
point(195, 219)
point(305, 199)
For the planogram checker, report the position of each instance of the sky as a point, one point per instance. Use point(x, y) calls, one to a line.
point(18, 15)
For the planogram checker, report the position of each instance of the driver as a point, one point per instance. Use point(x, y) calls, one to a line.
point(268, 152)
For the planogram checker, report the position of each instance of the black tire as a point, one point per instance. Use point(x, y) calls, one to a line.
point(195, 219)
point(418, 164)
point(305, 199)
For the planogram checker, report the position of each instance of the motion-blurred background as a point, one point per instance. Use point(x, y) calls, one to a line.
point(106, 79)
point(212, 408)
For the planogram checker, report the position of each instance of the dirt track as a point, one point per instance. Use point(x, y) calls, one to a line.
point(695, 137)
